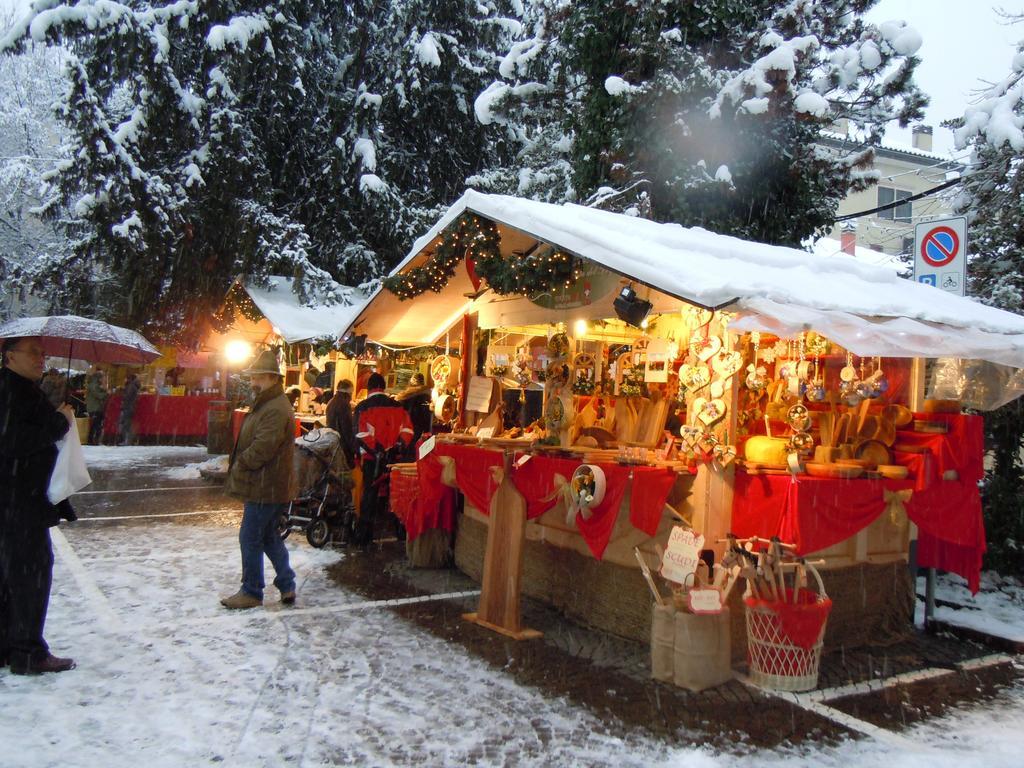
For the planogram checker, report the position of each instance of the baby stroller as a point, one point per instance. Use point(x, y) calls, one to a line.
point(323, 508)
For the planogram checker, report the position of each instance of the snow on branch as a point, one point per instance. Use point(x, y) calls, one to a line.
point(239, 31)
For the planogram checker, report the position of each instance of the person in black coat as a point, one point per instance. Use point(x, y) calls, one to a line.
point(415, 398)
point(339, 418)
point(29, 430)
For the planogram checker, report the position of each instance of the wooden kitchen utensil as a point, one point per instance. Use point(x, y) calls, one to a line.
point(873, 451)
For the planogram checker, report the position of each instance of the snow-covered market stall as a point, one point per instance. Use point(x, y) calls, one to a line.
point(645, 408)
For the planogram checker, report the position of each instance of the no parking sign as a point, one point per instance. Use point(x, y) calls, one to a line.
point(940, 254)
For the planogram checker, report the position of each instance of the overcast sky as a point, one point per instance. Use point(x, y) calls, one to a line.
point(964, 44)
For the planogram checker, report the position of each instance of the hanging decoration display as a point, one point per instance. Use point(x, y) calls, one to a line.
point(586, 490)
point(477, 240)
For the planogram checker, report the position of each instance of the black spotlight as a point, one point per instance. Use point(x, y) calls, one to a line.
point(629, 308)
point(354, 345)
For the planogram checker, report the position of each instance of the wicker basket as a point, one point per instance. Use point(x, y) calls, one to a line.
point(779, 659)
point(404, 488)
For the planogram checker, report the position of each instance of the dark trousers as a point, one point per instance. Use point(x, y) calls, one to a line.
point(26, 573)
point(96, 427)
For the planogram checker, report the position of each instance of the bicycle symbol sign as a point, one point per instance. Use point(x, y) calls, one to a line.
point(940, 246)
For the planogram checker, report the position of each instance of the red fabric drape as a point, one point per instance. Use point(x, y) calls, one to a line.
point(535, 480)
point(815, 513)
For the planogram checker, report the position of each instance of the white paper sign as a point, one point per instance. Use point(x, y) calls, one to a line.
point(707, 600)
point(478, 398)
point(681, 555)
point(656, 370)
point(485, 433)
point(427, 446)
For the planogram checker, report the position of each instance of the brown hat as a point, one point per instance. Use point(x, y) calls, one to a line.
point(265, 362)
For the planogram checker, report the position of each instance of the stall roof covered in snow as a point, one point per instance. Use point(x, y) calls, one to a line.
point(280, 305)
point(772, 287)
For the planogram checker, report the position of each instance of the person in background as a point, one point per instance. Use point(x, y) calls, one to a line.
point(95, 404)
point(55, 386)
point(29, 430)
point(415, 398)
point(384, 434)
point(293, 394)
point(339, 418)
point(325, 380)
point(260, 474)
point(129, 396)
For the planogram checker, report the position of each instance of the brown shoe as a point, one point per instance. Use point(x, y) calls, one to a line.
point(50, 663)
point(288, 598)
point(241, 599)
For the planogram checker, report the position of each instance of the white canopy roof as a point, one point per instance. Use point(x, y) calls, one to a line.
point(295, 322)
point(772, 287)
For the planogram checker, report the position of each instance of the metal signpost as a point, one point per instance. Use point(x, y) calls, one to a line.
point(940, 254)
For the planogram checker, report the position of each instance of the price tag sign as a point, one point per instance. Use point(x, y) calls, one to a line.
point(523, 459)
point(484, 433)
point(707, 600)
point(427, 446)
point(681, 555)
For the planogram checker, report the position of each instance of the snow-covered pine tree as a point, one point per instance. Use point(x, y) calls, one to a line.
point(30, 139)
point(992, 196)
point(712, 108)
point(211, 139)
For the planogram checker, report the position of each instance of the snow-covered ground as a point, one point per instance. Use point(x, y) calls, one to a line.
point(166, 677)
point(997, 609)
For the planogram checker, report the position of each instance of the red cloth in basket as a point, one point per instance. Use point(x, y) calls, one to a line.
point(801, 620)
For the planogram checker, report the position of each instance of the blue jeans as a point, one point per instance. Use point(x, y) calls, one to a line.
point(258, 535)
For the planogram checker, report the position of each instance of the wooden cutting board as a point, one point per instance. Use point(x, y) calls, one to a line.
point(625, 420)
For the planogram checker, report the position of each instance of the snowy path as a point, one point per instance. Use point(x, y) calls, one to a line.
point(167, 677)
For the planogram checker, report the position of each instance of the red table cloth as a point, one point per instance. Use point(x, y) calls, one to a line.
point(162, 415)
point(815, 513)
point(535, 480)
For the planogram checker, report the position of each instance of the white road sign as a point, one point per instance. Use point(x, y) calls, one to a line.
point(940, 254)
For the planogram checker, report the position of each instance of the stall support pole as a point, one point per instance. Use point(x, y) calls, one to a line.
point(929, 599)
point(503, 560)
point(468, 350)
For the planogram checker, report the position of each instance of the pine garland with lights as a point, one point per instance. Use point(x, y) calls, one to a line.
point(475, 238)
point(236, 302)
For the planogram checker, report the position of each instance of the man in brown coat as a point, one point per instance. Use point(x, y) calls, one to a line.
point(260, 473)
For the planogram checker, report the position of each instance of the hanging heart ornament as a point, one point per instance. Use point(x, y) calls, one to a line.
point(726, 364)
point(724, 454)
point(705, 348)
point(694, 377)
point(709, 411)
point(690, 435)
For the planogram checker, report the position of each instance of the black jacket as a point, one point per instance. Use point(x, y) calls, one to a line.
point(339, 418)
point(29, 430)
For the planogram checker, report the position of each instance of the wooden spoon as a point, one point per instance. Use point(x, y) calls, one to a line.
point(826, 422)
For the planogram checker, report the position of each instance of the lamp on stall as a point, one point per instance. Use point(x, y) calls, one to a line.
point(629, 308)
point(354, 345)
point(237, 352)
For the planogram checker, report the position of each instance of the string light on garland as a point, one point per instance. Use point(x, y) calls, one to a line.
point(236, 302)
point(477, 239)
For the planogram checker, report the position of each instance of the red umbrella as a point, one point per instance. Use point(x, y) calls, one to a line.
point(84, 339)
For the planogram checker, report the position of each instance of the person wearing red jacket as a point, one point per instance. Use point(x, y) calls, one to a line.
point(383, 435)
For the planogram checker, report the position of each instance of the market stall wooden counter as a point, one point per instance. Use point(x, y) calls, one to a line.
point(585, 567)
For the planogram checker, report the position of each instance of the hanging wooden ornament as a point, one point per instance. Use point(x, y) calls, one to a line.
point(587, 489)
point(709, 411)
point(705, 347)
point(694, 377)
point(726, 364)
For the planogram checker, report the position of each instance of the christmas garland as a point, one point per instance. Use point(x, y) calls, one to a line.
point(477, 239)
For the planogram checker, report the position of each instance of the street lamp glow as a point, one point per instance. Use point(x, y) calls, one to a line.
point(237, 351)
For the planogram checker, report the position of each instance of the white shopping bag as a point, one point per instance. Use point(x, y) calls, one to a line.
point(69, 473)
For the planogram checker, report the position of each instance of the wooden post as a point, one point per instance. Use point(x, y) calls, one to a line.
point(503, 560)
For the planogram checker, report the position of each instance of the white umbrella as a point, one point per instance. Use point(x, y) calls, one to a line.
point(70, 336)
